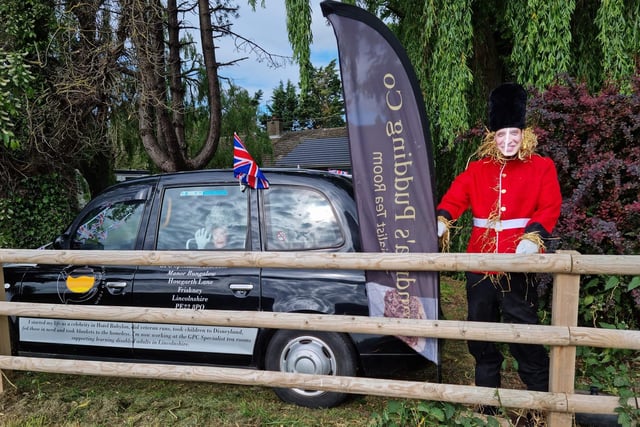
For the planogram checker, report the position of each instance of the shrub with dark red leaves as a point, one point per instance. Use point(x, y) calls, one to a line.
point(595, 143)
point(594, 140)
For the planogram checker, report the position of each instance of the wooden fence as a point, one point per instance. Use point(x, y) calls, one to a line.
point(563, 335)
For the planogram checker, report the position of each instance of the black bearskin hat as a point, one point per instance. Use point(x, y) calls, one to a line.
point(507, 107)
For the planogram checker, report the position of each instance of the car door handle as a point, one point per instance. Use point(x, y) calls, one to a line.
point(241, 290)
point(116, 285)
point(241, 287)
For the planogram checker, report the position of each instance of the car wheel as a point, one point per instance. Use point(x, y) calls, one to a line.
point(322, 353)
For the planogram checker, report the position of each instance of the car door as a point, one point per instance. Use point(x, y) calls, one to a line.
point(198, 217)
point(306, 217)
point(110, 222)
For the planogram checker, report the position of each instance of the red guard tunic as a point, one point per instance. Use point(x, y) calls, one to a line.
point(507, 199)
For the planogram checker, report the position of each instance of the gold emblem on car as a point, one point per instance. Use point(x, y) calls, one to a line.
point(80, 283)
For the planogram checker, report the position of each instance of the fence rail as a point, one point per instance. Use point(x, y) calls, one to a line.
point(563, 335)
point(558, 402)
point(445, 329)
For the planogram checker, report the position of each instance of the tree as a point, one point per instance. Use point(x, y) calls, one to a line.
point(65, 116)
point(322, 103)
point(161, 77)
point(300, 37)
point(284, 103)
point(19, 79)
point(15, 77)
point(60, 82)
point(98, 67)
point(23, 32)
point(106, 62)
point(239, 115)
point(461, 49)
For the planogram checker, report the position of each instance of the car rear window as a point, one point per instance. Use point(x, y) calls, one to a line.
point(203, 218)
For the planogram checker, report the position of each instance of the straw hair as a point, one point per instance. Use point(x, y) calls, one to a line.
point(489, 147)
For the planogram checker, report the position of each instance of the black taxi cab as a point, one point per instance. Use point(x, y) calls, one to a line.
point(208, 210)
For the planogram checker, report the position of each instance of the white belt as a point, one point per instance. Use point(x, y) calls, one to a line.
point(500, 225)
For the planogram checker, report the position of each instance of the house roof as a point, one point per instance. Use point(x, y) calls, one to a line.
point(319, 153)
point(314, 149)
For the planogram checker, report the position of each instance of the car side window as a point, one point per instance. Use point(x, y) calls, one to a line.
point(110, 227)
point(300, 218)
point(203, 218)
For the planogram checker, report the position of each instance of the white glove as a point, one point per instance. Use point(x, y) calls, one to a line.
point(442, 228)
point(527, 247)
point(202, 238)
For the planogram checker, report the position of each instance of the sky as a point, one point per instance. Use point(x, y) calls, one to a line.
point(267, 27)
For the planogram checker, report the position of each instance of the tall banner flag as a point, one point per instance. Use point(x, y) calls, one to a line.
point(392, 164)
point(245, 168)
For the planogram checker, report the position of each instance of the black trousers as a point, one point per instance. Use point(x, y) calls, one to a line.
point(512, 299)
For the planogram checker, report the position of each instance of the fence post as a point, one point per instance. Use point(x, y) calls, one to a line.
point(5, 342)
point(564, 312)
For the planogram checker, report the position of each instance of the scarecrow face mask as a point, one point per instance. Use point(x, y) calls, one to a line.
point(509, 141)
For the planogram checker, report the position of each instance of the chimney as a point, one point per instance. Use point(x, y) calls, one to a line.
point(274, 128)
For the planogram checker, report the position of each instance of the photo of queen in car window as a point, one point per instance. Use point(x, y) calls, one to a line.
point(214, 234)
point(203, 218)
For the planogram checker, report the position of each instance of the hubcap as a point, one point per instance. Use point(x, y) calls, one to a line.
point(308, 355)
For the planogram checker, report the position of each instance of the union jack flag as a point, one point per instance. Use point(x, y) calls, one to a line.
point(245, 168)
point(339, 172)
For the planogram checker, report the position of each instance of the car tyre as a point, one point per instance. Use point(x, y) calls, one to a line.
point(322, 353)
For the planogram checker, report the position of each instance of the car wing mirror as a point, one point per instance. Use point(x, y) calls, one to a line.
point(61, 242)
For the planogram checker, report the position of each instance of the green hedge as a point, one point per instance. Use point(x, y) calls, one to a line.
point(38, 211)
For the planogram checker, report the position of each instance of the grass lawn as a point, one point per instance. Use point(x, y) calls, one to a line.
point(40, 399)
